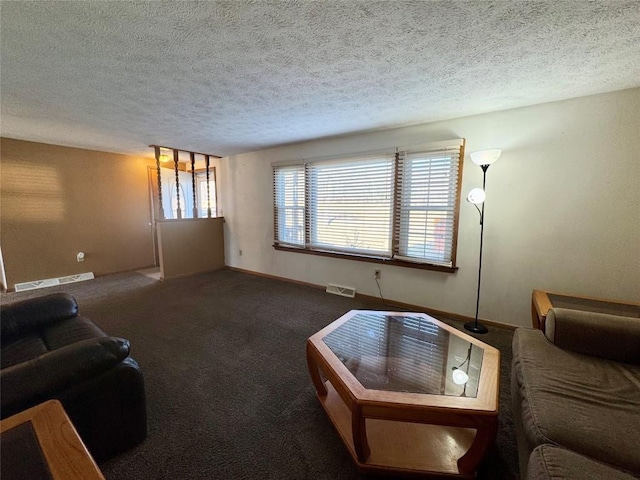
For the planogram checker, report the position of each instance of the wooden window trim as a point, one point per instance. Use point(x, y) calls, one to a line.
point(384, 261)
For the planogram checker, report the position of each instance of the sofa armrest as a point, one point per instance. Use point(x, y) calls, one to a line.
point(601, 335)
point(60, 369)
point(24, 316)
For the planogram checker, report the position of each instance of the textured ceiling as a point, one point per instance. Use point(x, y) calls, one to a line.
point(224, 77)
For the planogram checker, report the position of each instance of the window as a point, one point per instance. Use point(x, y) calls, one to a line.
point(428, 206)
point(400, 208)
point(187, 198)
point(351, 205)
point(206, 194)
point(289, 205)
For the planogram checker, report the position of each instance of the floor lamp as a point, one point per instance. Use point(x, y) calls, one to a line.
point(477, 196)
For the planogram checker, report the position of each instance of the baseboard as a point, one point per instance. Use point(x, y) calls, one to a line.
point(387, 302)
point(189, 274)
point(275, 277)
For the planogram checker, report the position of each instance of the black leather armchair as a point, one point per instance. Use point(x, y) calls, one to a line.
point(50, 351)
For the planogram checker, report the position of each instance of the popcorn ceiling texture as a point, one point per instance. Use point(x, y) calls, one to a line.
point(224, 77)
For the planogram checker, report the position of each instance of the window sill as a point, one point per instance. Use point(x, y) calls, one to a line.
point(359, 258)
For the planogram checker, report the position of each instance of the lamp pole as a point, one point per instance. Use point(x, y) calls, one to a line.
point(475, 326)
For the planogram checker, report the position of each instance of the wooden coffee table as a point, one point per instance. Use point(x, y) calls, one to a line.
point(407, 393)
point(45, 445)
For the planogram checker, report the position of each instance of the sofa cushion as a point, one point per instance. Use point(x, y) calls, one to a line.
point(21, 350)
point(58, 335)
point(21, 318)
point(70, 331)
point(60, 369)
point(606, 336)
point(583, 403)
point(552, 463)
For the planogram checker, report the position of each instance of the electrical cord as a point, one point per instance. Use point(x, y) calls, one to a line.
point(380, 290)
point(384, 302)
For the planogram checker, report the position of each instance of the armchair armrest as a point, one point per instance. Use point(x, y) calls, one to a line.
point(27, 315)
point(59, 369)
point(607, 336)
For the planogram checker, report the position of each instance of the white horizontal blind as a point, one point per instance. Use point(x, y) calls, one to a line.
point(372, 206)
point(289, 195)
point(351, 205)
point(428, 193)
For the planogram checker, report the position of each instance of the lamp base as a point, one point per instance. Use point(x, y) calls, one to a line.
point(476, 327)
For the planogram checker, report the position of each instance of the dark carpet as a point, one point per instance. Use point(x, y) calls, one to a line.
point(228, 392)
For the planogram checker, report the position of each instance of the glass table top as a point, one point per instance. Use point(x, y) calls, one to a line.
point(406, 353)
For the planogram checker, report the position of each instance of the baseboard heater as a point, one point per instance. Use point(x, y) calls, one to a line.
point(52, 282)
point(340, 290)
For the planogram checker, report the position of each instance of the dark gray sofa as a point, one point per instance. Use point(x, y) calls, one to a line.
point(576, 397)
point(49, 351)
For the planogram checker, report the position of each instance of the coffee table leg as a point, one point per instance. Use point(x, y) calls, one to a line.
point(485, 436)
point(359, 432)
point(314, 371)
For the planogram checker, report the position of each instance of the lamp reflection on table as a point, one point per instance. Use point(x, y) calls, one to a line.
point(461, 377)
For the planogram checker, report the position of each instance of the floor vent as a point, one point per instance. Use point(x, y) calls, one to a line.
point(52, 282)
point(342, 291)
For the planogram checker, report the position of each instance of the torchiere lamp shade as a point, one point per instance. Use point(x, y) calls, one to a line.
point(485, 157)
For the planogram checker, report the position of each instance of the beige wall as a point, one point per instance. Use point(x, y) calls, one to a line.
point(562, 209)
point(57, 201)
point(190, 246)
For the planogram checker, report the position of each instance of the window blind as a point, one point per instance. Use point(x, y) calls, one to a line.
point(401, 208)
point(427, 196)
point(289, 195)
point(351, 205)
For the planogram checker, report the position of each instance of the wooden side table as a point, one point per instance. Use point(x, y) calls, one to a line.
point(542, 301)
point(42, 443)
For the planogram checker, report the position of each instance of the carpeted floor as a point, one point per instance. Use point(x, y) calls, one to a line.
point(228, 392)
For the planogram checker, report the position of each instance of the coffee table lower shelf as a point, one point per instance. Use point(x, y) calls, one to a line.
point(402, 447)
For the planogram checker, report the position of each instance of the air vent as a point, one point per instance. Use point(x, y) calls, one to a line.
point(52, 282)
point(80, 277)
point(342, 291)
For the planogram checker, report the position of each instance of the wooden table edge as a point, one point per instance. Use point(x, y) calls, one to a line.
point(54, 430)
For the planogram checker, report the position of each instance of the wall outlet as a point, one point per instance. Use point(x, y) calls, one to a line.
point(377, 274)
point(240, 252)
point(80, 257)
